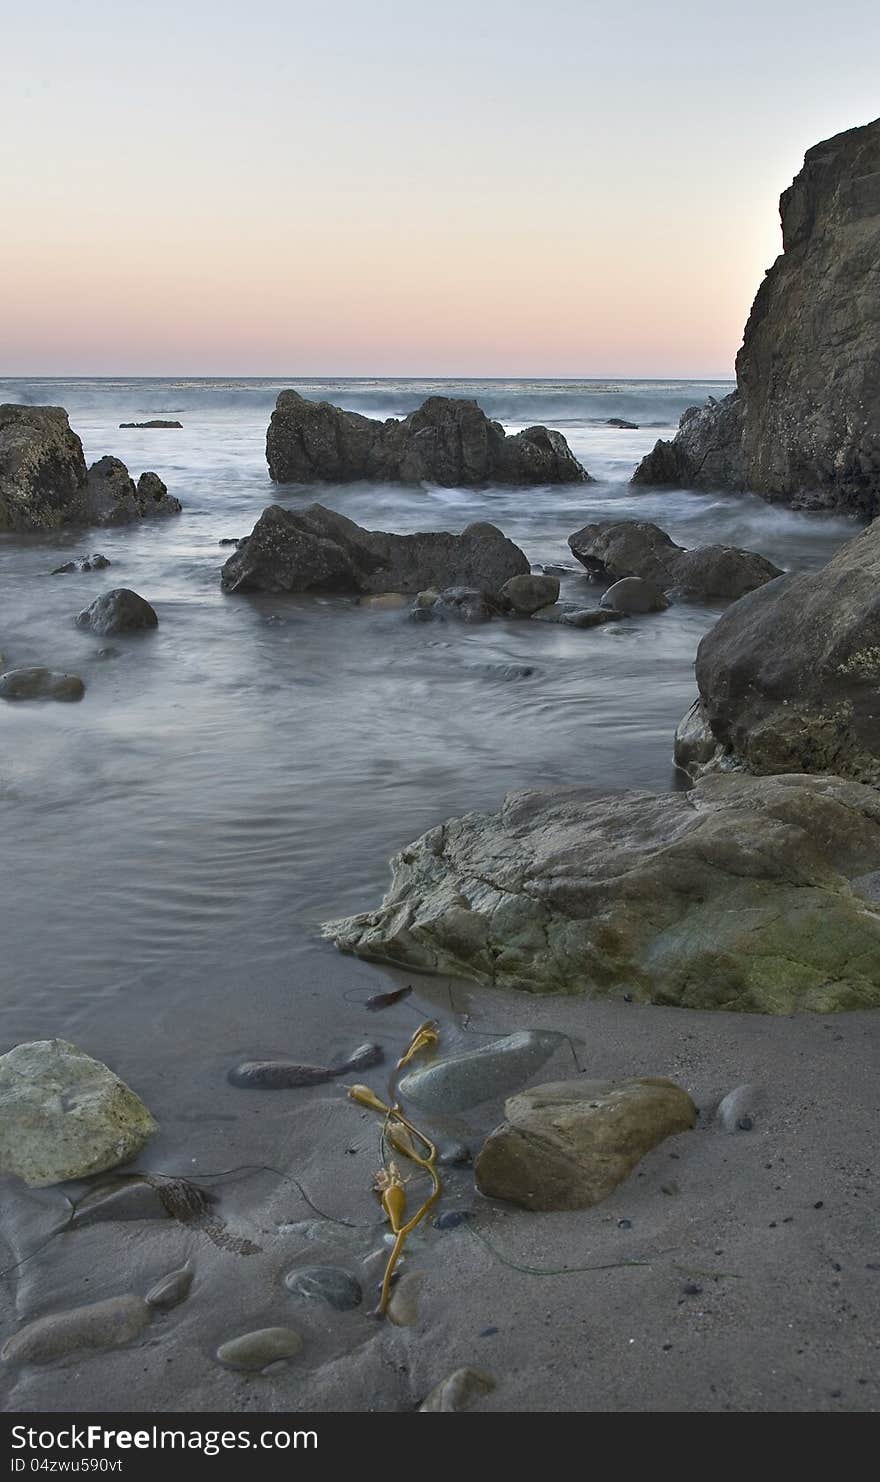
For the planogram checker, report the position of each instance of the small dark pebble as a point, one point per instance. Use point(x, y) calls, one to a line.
point(452, 1218)
point(624, 1224)
point(666, 1347)
point(836, 1266)
point(488, 1332)
point(772, 1225)
point(385, 1000)
point(819, 1204)
point(627, 998)
point(691, 1289)
point(745, 1124)
point(869, 1266)
point(277, 1075)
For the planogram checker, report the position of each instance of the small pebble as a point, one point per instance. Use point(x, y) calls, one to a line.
point(171, 1290)
point(452, 1218)
point(325, 1283)
point(488, 1332)
point(624, 1224)
point(691, 1289)
point(453, 1154)
point(458, 1391)
point(403, 1308)
point(255, 1351)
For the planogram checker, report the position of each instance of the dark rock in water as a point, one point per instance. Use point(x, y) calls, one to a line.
point(171, 1290)
point(460, 604)
point(633, 595)
point(158, 422)
point(788, 676)
point(101, 1325)
point(119, 611)
point(317, 550)
point(619, 548)
point(448, 441)
point(527, 594)
point(112, 498)
point(327, 1284)
point(385, 1000)
point(253, 1352)
point(278, 1075)
point(569, 1144)
point(363, 1058)
point(803, 426)
point(42, 468)
point(40, 684)
point(108, 653)
point(573, 615)
point(739, 894)
point(619, 422)
point(231, 540)
point(83, 563)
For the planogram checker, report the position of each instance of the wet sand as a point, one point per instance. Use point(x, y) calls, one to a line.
point(776, 1226)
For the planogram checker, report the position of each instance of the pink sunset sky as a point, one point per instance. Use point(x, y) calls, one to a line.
point(572, 189)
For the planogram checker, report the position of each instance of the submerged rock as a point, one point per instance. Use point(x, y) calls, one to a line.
point(803, 426)
point(331, 1284)
point(253, 1352)
point(448, 441)
point(620, 548)
point(83, 563)
point(317, 550)
point(471, 1076)
point(40, 684)
point(458, 1391)
point(460, 604)
point(101, 1325)
point(569, 1144)
point(788, 676)
point(574, 615)
point(119, 611)
point(740, 894)
point(64, 1115)
point(44, 483)
point(277, 1075)
point(156, 422)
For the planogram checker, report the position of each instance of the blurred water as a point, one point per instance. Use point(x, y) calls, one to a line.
point(171, 843)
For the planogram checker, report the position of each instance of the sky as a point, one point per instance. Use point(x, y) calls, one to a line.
point(390, 187)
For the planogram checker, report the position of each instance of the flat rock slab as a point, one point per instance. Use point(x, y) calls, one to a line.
point(64, 1115)
point(40, 684)
point(569, 1144)
point(109, 1324)
point(740, 894)
point(458, 1081)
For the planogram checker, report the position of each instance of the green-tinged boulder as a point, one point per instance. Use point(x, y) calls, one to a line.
point(745, 893)
point(64, 1115)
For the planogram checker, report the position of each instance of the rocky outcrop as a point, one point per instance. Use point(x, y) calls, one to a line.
point(157, 422)
point(119, 611)
point(569, 1144)
point(317, 550)
point(44, 483)
point(448, 441)
point(741, 894)
point(64, 1115)
point(789, 675)
point(803, 426)
point(615, 549)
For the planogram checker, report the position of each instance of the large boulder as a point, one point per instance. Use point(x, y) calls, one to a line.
point(448, 441)
point(741, 894)
point(789, 675)
point(569, 1144)
point(615, 549)
point(317, 550)
point(42, 468)
point(44, 482)
point(64, 1115)
point(803, 426)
